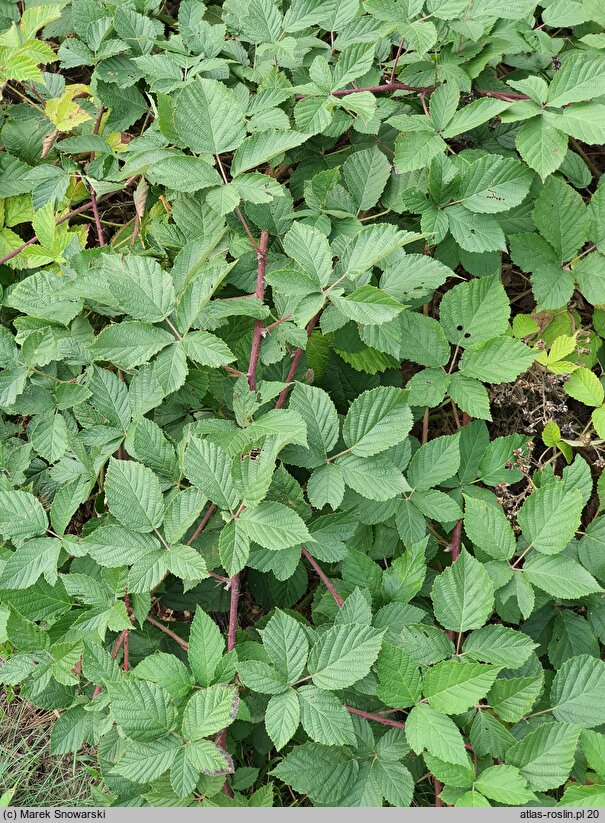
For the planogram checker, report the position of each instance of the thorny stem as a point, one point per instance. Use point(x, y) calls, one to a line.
point(502, 95)
point(261, 254)
point(295, 363)
point(125, 664)
point(233, 612)
point(438, 788)
point(267, 329)
point(97, 216)
point(394, 85)
point(203, 523)
point(340, 454)
point(240, 216)
point(322, 576)
point(384, 721)
point(425, 427)
point(521, 556)
point(58, 222)
point(93, 195)
point(397, 56)
point(383, 87)
point(257, 337)
point(182, 643)
point(455, 544)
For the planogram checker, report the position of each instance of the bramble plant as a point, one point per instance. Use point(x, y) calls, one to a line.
point(302, 407)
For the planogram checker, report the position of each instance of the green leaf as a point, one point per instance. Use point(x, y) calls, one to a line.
point(493, 184)
point(262, 147)
point(404, 579)
point(167, 671)
point(319, 413)
point(593, 744)
point(325, 773)
point(512, 698)
point(21, 515)
point(376, 420)
point(415, 149)
point(545, 756)
point(369, 246)
point(577, 693)
point(585, 386)
point(394, 782)
point(143, 710)
point(208, 467)
point(475, 311)
point(324, 718)
point(209, 710)
point(367, 305)
point(233, 547)
point(499, 645)
point(550, 518)
point(452, 688)
point(577, 795)
point(133, 495)
point(488, 528)
point(183, 173)
point(50, 437)
point(475, 233)
point(474, 115)
point(209, 117)
point(365, 174)
point(560, 576)
point(489, 736)
point(470, 395)
point(274, 526)
point(500, 360)
point(373, 477)
point(206, 647)
point(343, 655)
point(184, 561)
point(129, 344)
point(207, 349)
point(584, 121)
point(140, 287)
point(541, 145)
point(261, 677)
point(282, 717)
point(204, 756)
point(145, 762)
point(286, 644)
point(422, 338)
point(463, 595)
point(504, 784)
point(325, 487)
point(399, 678)
point(561, 218)
point(434, 462)
point(311, 250)
point(581, 76)
point(471, 800)
point(32, 559)
point(428, 729)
